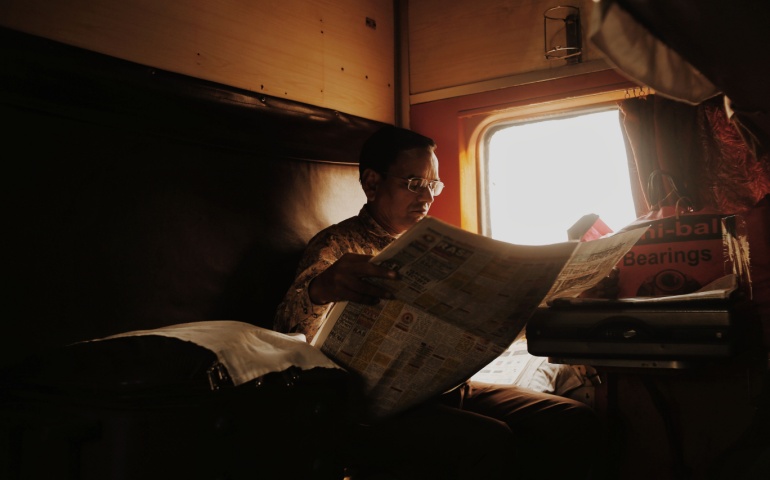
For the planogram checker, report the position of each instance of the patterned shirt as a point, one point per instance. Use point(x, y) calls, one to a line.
point(360, 234)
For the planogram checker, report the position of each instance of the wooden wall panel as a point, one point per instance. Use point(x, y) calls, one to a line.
point(320, 52)
point(460, 43)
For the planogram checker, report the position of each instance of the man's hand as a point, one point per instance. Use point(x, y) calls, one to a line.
point(344, 281)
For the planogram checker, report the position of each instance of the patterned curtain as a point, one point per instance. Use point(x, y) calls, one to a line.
point(676, 149)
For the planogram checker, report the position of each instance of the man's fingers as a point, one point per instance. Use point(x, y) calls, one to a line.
point(361, 290)
point(345, 280)
point(360, 266)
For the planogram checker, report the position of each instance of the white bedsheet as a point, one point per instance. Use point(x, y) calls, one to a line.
point(247, 351)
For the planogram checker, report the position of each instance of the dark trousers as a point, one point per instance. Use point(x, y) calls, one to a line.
point(482, 431)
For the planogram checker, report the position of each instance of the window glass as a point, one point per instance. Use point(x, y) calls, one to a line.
point(543, 175)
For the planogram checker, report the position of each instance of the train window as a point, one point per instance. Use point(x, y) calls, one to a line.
point(544, 174)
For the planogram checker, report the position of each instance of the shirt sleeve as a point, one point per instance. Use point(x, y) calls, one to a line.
point(297, 313)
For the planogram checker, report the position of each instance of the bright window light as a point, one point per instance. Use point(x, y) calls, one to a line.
point(544, 175)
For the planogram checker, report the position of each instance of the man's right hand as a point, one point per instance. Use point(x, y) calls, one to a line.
point(344, 281)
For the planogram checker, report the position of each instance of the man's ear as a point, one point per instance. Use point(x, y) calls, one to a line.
point(370, 181)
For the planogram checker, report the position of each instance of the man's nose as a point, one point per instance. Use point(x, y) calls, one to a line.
point(426, 194)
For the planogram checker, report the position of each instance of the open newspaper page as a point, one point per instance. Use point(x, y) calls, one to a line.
point(720, 289)
point(591, 261)
point(461, 300)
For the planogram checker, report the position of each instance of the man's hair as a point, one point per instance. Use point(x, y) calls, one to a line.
point(386, 144)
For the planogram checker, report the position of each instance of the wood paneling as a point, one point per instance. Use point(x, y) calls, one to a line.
point(321, 52)
point(461, 43)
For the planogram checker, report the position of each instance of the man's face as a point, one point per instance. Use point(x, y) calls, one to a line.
point(390, 202)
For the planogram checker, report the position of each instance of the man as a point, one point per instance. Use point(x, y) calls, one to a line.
point(476, 431)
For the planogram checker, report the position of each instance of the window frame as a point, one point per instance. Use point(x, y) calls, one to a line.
point(484, 195)
point(475, 125)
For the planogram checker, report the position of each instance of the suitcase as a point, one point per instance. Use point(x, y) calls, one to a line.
point(157, 407)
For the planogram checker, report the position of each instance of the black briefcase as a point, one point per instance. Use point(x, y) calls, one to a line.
point(157, 407)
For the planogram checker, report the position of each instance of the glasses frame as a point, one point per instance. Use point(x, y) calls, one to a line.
point(424, 183)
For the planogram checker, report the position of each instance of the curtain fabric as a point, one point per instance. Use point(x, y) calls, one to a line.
point(698, 148)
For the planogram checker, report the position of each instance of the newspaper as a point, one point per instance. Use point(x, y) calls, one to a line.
point(515, 366)
point(720, 289)
point(461, 299)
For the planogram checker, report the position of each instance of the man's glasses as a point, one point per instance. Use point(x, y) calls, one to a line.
point(415, 184)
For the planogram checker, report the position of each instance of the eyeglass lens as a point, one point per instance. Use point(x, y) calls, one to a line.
point(415, 184)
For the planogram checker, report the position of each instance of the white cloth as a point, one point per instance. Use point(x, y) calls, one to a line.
point(247, 351)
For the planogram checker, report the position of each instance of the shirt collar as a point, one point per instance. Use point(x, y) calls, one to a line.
point(371, 224)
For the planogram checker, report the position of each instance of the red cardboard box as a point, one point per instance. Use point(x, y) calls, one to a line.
point(678, 254)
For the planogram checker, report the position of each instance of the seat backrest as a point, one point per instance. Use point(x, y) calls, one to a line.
point(141, 198)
